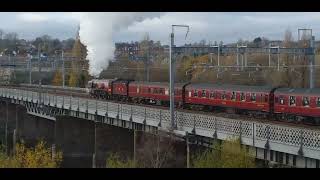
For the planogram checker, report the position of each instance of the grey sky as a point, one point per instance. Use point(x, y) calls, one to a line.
point(227, 26)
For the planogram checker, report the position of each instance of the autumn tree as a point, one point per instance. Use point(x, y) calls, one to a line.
point(38, 157)
point(229, 154)
point(73, 79)
point(57, 79)
point(114, 161)
point(83, 79)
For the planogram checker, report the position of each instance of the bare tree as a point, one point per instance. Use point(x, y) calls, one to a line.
point(203, 42)
point(157, 150)
point(288, 59)
point(288, 39)
point(12, 36)
point(1, 33)
point(240, 41)
point(304, 43)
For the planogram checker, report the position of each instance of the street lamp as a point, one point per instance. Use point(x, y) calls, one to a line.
point(63, 73)
point(172, 68)
point(39, 62)
point(30, 68)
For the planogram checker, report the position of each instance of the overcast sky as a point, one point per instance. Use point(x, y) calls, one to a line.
point(228, 27)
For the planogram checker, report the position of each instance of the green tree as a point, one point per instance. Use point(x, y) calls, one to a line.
point(229, 154)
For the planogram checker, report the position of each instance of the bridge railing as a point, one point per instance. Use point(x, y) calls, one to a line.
point(55, 87)
point(258, 134)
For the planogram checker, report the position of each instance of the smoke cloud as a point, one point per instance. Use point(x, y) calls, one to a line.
point(96, 32)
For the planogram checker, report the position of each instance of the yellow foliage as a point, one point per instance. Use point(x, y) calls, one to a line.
point(57, 80)
point(73, 80)
point(227, 155)
point(37, 157)
point(79, 50)
point(114, 161)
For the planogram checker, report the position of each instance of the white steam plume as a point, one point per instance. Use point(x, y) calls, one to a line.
point(96, 32)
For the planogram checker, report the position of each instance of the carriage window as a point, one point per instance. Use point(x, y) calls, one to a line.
point(253, 96)
point(233, 96)
point(203, 93)
point(161, 91)
point(195, 94)
point(318, 102)
point(305, 101)
point(292, 101)
point(266, 98)
point(155, 91)
point(178, 92)
point(281, 100)
point(224, 96)
point(242, 97)
point(149, 90)
point(212, 94)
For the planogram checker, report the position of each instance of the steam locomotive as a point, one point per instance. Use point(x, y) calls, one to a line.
point(283, 104)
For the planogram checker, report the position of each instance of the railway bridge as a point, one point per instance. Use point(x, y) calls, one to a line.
point(97, 123)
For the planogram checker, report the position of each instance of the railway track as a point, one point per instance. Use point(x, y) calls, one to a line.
point(82, 92)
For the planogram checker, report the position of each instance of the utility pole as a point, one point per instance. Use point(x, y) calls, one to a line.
point(147, 60)
point(6, 130)
point(310, 51)
point(238, 57)
point(63, 73)
point(39, 64)
point(63, 69)
point(134, 145)
point(188, 150)
point(172, 73)
point(278, 58)
point(30, 70)
point(312, 62)
point(171, 91)
point(269, 55)
point(219, 57)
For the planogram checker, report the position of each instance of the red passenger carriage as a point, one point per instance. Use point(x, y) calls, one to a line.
point(232, 97)
point(298, 104)
point(154, 92)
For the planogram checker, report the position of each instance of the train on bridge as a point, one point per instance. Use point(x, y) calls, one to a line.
point(283, 104)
